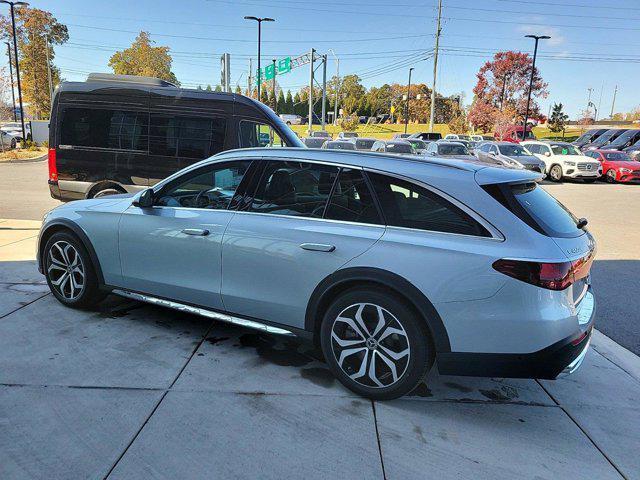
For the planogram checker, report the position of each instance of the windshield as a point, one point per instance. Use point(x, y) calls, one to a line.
point(452, 149)
point(399, 148)
point(340, 146)
point(625, 137)
point(565, 150)
point(513, 150)
point(349, 134)
point(464, 137)
point(311, 142)
point(364, 143)
point(418, 143)
point(605, 137)
point(618, 157)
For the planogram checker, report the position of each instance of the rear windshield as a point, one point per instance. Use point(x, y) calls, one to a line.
point(399, 148)
point(618, 156)
point(537, 208)
point(364, 143)
point(452, 149)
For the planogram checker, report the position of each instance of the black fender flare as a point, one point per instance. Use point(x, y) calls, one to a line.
point(66, 224)
point(393, 281)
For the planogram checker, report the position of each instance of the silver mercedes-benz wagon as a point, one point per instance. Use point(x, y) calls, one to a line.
point(389, 264)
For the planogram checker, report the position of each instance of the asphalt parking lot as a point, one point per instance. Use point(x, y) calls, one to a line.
point(135, 391)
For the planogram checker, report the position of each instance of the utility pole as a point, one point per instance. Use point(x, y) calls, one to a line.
point(406, 111)
point(15, 56)
point(613, 103)
point(337, 87)
point(275, 97)
point(537, 38)
point(13, 93)
point(435, 68)
point(312, 53)
point(324, 90)
point(46, 50)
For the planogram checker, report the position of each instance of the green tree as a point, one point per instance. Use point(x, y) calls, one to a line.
point(288, 103)
point(558, 119)
point(238, 89)
point(282, 103)
point(208, 88)
point(218, 88)
point(36, 31)
point(142, 58)
point(264, 96)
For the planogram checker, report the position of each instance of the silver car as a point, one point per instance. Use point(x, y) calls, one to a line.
point(511, 154)
point(388, 263)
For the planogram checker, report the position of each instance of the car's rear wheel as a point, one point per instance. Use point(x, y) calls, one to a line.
point(70, 272)
point(555, 173)
point(375, 343)
point(611, 176)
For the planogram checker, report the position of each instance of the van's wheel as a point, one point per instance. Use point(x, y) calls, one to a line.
point(106, 191)
point(375, 344)
point(69, 271)
point(611, 176)
point(555, 173)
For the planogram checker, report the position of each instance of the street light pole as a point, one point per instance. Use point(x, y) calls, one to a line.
point(406, 116)
point(259, 20)
point(13, 93)
point(15, 56)
point(275, 97)
point(533, 69)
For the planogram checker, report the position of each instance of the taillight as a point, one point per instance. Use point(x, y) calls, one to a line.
point(53, 167)
point(553, 276)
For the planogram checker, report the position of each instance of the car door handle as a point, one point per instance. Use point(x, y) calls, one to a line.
point(196, 231)
point(317, 247)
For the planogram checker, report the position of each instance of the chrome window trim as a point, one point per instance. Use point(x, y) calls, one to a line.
point(300, 217)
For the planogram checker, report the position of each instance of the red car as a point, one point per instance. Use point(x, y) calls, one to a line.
point(616, 166)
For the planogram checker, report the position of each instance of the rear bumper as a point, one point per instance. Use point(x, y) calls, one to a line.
point(563, 357)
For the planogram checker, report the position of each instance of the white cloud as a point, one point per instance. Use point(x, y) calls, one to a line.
point(556, 37)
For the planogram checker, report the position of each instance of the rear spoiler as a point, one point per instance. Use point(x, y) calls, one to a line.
point(492, 175)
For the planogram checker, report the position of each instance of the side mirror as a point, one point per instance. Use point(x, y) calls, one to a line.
point(145, 200)
point(547, 154)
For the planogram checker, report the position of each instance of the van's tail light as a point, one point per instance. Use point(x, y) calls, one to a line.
point(553, 276)
point(53, 167)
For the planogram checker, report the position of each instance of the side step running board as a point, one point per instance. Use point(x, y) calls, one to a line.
point(203, 312)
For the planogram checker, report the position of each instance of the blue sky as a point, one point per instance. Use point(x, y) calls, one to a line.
point(595, 43)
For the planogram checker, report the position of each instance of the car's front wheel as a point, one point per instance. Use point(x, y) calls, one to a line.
point(556, 173)
point(70, 272)
point(611, 176)
point(375, 343)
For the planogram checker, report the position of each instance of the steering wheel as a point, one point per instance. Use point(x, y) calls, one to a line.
point(213, 196)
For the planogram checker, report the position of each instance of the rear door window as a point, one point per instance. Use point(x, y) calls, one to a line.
point(351, 200)
point(104, 128)
point(405, 204)
point(187, 137)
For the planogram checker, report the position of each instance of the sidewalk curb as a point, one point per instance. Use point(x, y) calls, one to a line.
point(26, 160)
point(617, 354)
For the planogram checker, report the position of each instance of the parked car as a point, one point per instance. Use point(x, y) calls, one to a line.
point(634, 151)
point(564, 160)
point(480, 138)
point(627, 139)
point(393, 146)
point(588, 137)
point(514, 134)
point(7, 141)
point(119, 133)
point(314, 142)
point(15, 130)
point(420, 146)
point(512, 155)
point(617, 166)
point(363, 143)
point(444, 148)
point(401, 135)
point(387, 263)
point(321, 133)
point(427, 136)
point(604, 139)
point(291, 119)
point(340, 144)
point(347, 135)
point(457, 136)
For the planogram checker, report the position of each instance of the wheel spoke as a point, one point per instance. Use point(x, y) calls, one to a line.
point(62, 278)
point(55, 266)
point(372, 370)
point(363, 366)
point(359, 319)
point(390, 331)
point(345, 343)
point(353, 326)
point(390, 364)
point(381, 321)
point(348, 352)
point(395, 355)
point(65, 261)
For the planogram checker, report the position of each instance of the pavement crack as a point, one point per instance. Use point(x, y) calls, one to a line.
point(375, 423)
point(25, 305)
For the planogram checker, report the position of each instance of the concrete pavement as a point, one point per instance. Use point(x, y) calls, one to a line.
point(134, 391)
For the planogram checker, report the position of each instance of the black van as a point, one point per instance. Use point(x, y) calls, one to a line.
point(121, 133)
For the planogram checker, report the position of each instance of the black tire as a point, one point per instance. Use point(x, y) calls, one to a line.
point(589, 180)
point(555, 173)
point(410, 368)
point(13, 143)
point(53, 260)
point(611, 176)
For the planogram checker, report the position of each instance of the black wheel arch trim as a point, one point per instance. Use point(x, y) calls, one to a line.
point(393, 281)
point(82, 236)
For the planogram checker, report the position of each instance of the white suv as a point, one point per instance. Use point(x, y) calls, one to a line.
point(564, 160)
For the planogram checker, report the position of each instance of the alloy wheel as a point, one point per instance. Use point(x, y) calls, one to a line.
point(66, 270)
point(611, 176)
point(370, 345)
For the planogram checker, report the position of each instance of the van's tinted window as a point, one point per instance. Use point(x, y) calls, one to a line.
point(405, 204)
point(104, 128)
point(351, 199)
point(189, 137)
point(294, 188)
point(256, 134)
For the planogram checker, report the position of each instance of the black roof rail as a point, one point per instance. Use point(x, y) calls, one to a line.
point(111, 77)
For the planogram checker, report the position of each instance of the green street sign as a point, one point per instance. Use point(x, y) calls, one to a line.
point(267, 73)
